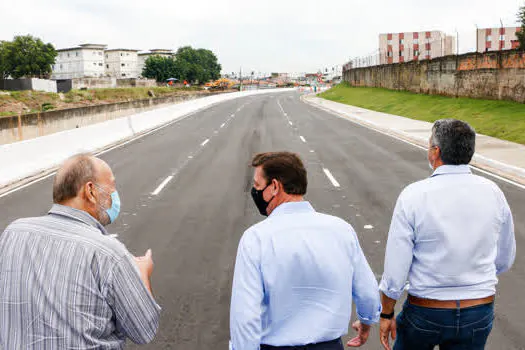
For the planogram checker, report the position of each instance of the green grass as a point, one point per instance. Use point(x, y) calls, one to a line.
point(501, 119)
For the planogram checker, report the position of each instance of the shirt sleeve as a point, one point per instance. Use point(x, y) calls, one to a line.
point(399, 252)
point(364, 289)
point(247, 295)
point(506, 253)
point(136, 312)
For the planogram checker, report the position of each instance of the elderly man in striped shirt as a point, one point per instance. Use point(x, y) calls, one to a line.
point(66, 284)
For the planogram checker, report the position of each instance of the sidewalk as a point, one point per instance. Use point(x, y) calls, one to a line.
point(504, 158)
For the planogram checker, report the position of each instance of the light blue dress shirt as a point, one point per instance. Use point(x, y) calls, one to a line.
point(295, 276)
point(451, 235)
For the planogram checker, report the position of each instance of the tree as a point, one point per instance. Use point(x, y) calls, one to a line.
point(3, 60)
point(160, 68)
point(27, 56)
point(197, 65)
point(521, 34)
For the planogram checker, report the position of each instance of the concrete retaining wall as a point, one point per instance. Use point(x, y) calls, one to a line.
point(28, 126)
point(494, 75)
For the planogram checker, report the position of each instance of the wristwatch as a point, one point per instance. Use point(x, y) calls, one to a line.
point(387, 316)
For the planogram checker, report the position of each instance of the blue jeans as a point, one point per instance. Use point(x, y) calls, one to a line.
point(421, 328)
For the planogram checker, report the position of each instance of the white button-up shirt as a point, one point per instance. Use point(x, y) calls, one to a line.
point(295, 277)
point(451, 235)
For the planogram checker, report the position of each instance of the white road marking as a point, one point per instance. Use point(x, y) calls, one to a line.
point(233, 115)
point(368, 227)
point(281, 107)
point(222, 125)
point(289, 122)
point(312, 151)
point(162, 185)
point(302, 138)
point(205, 142)
point(377, 242)
point(331, 178)
point(113, 235)
point(215, 132)
point(190, 157)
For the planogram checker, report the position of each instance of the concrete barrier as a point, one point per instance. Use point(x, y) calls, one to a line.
point(28, 126)
point(24, 159)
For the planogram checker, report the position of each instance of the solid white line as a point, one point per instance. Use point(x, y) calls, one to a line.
point(331, 177)
point(205, 142)
point(162, 185)
point(302, 138)
point(27, 184)
point(222, 126)
point(290, 123)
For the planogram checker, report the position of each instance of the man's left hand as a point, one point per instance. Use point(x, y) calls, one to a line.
point(363, 332)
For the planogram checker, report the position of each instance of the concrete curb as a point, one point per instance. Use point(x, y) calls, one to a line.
point(509, 172)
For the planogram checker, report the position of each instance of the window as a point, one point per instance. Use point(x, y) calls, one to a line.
point(400, 53)
point(76, 53)
point(416, 53)
point(502, 38)
point(100, 53)
point(100, 65)
point(68, 54)
point(123, 65)
point(123, 74)
point(390, 54)
point(94, 63)
point(416, 41)
point(389, 42)
point(401, 41)
point(489, 38)
point(107, 65)
point(106, 56)
point(121, 54)
point(428, 53)
point(61, 66)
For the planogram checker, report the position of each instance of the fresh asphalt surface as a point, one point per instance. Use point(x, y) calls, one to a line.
point(185, 192)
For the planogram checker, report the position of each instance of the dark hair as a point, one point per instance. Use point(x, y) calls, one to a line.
point(285, 167)
point(75, 173)
point(456, 140)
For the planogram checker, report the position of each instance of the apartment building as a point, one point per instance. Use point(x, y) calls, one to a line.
point(121, 63)
point(143, 56)
point(86, 60)
point(497, 39)
point(410, 46)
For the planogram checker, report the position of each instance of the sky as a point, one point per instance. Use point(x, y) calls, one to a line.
point(262, 36)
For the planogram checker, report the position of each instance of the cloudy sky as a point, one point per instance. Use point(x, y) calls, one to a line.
point(264, 35)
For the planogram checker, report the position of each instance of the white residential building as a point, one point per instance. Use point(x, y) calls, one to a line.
point(86, 60)
point(143, 56)
point(121, 63)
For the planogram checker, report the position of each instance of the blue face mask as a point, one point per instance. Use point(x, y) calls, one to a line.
point(115, 207)
point(114, 210)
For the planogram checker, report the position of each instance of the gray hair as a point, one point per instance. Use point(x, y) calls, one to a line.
point(75, 173)
point(456, 140)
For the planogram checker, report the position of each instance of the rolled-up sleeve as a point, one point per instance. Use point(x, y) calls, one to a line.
point(136, 312)
point(364, 289)
point(506, 253)
point(247, 296)
point(399, 252)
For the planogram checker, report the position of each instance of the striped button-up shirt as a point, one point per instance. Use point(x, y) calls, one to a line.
point(66, 284)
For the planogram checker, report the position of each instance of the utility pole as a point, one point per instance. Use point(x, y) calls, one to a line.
point(477, 38)
point(240, 79)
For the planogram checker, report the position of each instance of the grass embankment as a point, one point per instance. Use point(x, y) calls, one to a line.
point(14, 102)
point(501, 119)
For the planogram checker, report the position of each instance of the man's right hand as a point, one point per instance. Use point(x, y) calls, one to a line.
point(145, 264)
point(387, 328)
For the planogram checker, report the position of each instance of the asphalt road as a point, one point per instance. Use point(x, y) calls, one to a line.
point(199, 169)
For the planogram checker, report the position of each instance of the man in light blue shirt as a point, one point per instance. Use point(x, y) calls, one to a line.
point(450, 236)
point(297, 271)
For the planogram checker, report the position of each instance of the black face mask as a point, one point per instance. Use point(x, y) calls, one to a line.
point(260, 203)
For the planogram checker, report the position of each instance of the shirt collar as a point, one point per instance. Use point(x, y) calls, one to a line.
point(78, 215)
point(292, 208)
point(452, 169)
